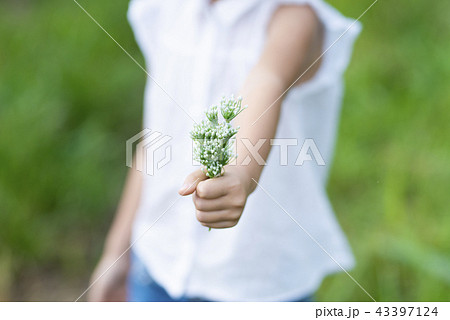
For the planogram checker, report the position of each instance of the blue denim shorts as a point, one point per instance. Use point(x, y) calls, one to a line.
point(141, 287)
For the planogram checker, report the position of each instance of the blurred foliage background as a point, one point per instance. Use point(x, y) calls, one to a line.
point(69, 99)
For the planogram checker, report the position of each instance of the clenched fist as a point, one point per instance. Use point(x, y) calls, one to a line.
point(219, 201)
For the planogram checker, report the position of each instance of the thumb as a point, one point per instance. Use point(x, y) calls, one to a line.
point(191, 182)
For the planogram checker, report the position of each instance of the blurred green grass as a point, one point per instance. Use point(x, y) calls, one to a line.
point(69, 98)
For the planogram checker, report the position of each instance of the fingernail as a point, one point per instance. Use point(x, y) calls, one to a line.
point(184, 187)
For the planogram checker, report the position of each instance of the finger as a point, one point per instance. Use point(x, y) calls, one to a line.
point(211, 188)
point(191, 182)
point(209, 204)
point(213, 217)
point(220, 225)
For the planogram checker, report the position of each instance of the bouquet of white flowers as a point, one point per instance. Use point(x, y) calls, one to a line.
point(213, 139)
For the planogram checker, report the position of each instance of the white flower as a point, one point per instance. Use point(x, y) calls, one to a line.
point(213, 140)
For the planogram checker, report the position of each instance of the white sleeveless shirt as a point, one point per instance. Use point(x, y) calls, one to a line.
point(197, 52)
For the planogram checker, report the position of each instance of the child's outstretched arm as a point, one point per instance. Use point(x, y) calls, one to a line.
point(293, 43)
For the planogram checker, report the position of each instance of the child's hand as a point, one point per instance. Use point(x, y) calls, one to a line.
point(219, 201)
point(109, 279)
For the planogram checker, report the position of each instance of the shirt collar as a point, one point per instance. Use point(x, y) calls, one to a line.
point(228, 12)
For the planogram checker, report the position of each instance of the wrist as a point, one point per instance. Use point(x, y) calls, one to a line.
point(114, 248)
point(246, 176)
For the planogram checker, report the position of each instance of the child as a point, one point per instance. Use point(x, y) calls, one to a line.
point(196, 50)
